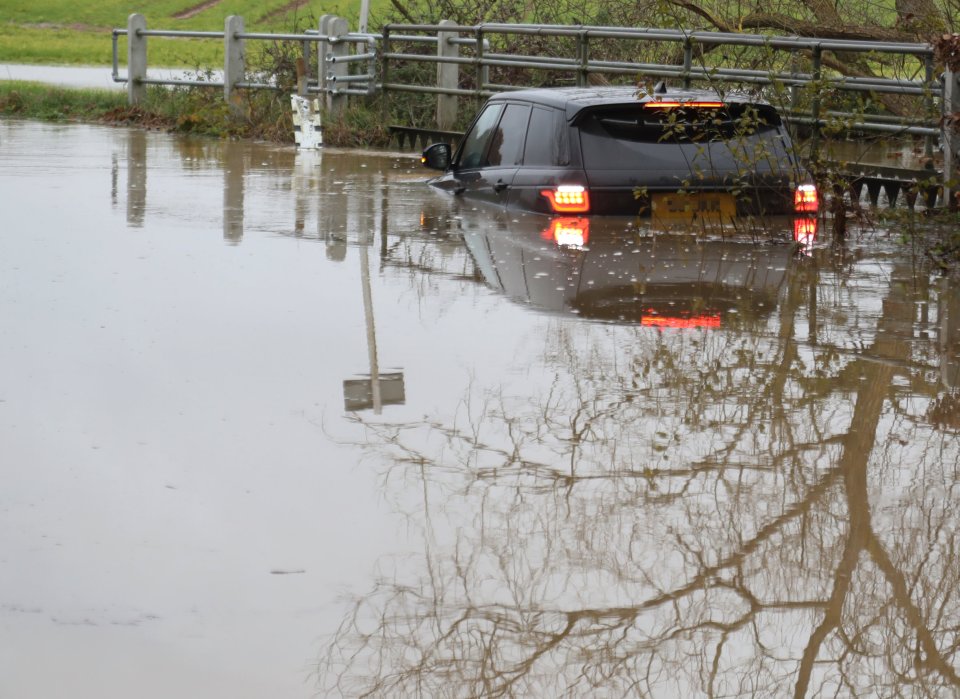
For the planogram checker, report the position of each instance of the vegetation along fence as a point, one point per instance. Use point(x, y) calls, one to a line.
point(825, 86)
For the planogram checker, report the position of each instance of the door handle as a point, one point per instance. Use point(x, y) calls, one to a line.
point(500, 186)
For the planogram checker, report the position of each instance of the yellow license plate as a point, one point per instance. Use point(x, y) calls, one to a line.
point(710, 205)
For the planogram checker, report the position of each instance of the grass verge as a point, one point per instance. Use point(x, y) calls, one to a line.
point(64, 32)
point(36, 101)
point(261, 115)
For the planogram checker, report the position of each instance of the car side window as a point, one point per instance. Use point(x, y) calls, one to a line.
point(475, 144)
point(545, 142)
point(506, 146)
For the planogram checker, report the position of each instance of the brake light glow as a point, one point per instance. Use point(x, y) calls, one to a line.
point(674, 105)
point(805, 230)
point(711, 320)
point(568, 232)
point(805, 199)
point(568, 199)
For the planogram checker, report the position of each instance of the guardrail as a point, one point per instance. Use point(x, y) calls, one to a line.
point(333, 38)
point(355, 64)
point(582, 65)
point(329, 47)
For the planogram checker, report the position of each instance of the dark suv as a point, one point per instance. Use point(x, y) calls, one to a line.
point(668, 153)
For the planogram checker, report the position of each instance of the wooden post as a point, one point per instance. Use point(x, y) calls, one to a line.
point(304, 61)
point(303, 75)
point(448, 77)
point(136, 59)
point(951, 138)
point(233, 55)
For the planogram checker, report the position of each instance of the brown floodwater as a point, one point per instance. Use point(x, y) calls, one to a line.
point(292, 424)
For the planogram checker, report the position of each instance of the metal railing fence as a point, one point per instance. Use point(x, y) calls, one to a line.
point(474, 61)
point(581, 64)
point(379, 54)
point(327, 48)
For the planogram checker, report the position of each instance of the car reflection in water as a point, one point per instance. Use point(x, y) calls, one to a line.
point(610, 270)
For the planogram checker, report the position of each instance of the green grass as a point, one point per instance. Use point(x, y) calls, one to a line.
point(67, 32)
point(93, 47)
point(35, 101)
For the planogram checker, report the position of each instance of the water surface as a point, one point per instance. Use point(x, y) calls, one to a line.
point(280, 424)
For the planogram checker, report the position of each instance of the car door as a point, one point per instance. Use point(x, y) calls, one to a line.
point(547, 160)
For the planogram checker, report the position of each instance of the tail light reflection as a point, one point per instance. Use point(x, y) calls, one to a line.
point(704, 320)
point(805, 230)
point(568, 232)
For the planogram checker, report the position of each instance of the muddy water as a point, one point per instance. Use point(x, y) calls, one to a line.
point(279, 424)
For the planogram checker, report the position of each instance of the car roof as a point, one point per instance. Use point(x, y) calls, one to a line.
point(573, 100)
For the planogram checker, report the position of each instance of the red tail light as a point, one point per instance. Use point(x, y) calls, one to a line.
point(568, 232)
point(805, 199)
point(674, 105)
point(568, 199)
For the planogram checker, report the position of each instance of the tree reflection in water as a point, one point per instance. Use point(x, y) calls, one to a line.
point(725, 514)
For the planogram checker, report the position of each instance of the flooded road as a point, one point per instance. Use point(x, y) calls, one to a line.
point(97, 77)
point(292, 425)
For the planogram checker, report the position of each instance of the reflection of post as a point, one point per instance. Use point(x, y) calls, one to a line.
point(136, 177)
point(305, 167)
point(114, 179)
point(950, 137)
point(371, 330)
point(233, 194)
point(384, 218)
point(949, 317)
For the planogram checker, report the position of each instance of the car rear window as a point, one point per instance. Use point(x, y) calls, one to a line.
point(643, 124)
point(630, 136)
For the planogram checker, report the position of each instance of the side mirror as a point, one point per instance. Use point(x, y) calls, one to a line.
point(437, 156)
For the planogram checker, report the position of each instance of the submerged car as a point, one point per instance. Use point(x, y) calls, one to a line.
point(670, 154)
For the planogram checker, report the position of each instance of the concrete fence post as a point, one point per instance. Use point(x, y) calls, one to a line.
point(951, 137)
point(485, 73)
point(583, 59)
point(233, 55)
point(448, 77)
point(337, 27)
point(136, 59)
point(323, 48)
point(481, 74)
